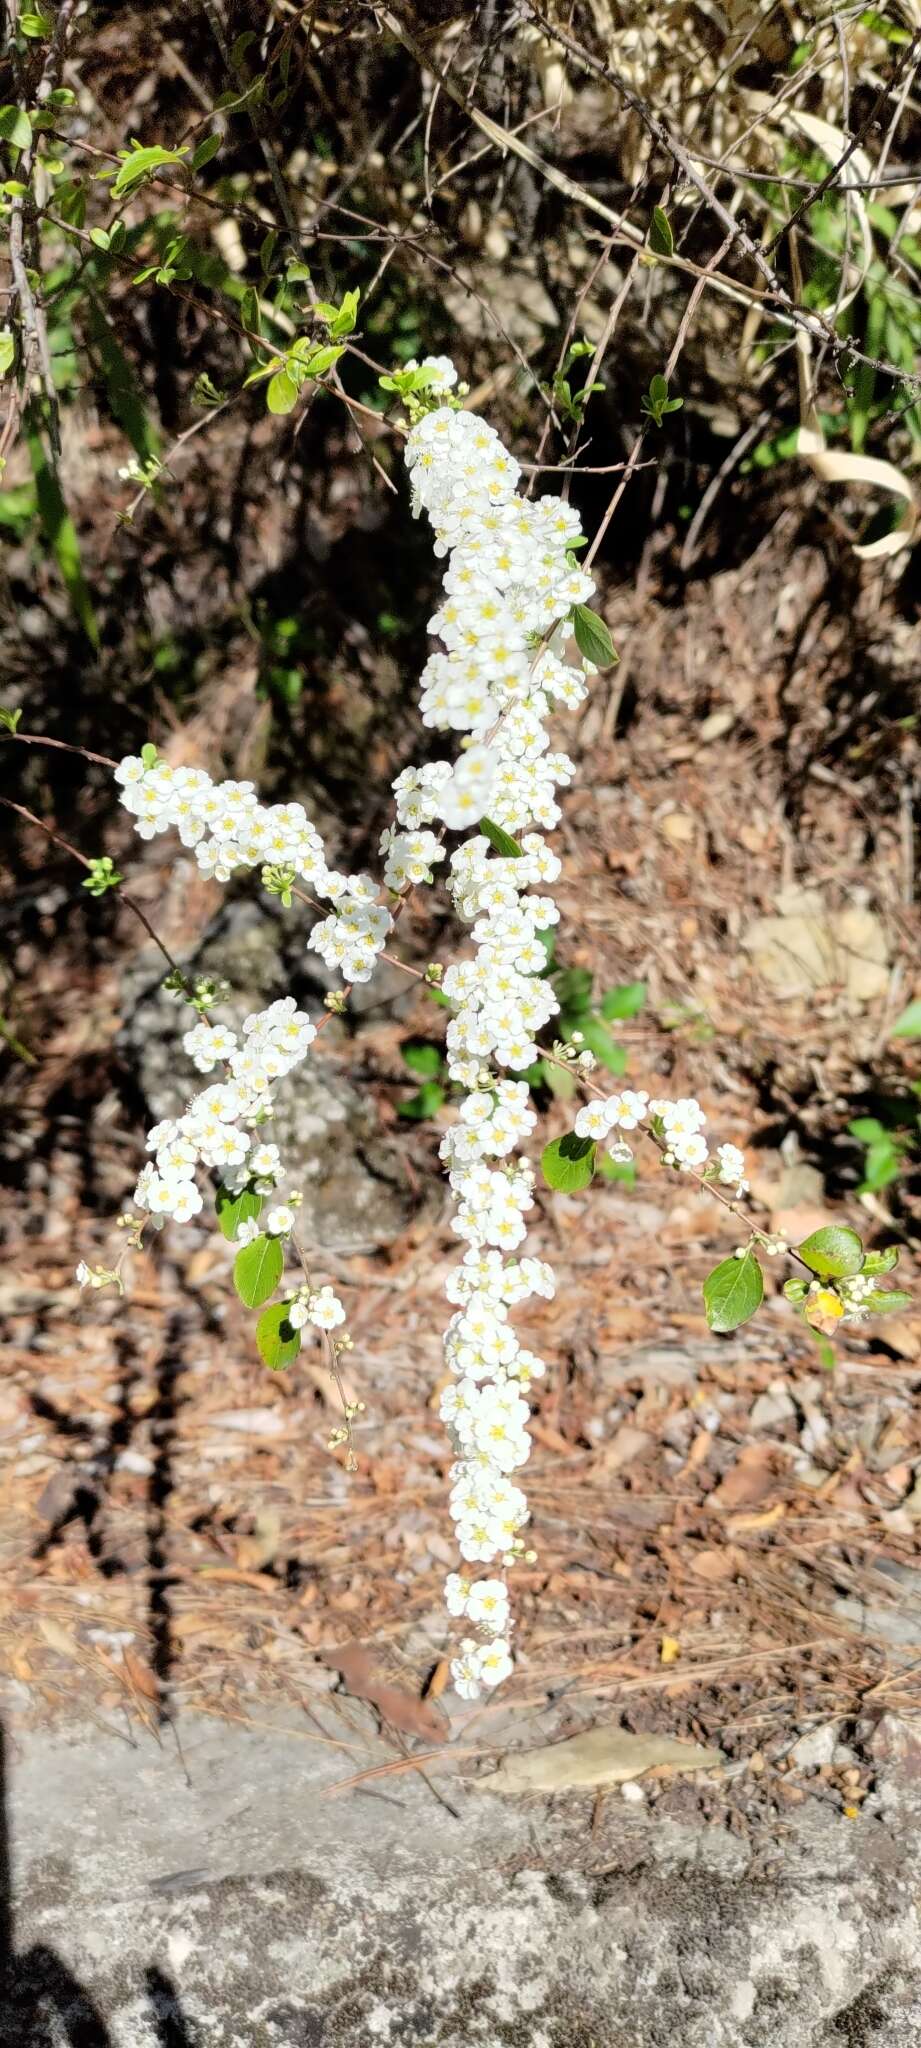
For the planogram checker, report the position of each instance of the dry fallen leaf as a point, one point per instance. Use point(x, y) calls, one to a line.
point(602, 1756)
point(58, 1637)
point(748, 1480)
point(714, 1565)
point(140, 1676)
point(439, 1679)
point(402, 1709)
point(627, 1445)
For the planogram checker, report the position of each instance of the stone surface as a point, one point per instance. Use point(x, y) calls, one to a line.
point(226, 1897)
point(356, 1193)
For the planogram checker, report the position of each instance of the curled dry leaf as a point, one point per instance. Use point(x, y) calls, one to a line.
point(837, 467)
point(602, 1756)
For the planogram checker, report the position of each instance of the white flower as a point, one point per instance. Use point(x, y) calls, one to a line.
point(325, 1310)
point(628, 1109)
point(731, 1163)
point(248, 1230)
point(457, 1591)
point(487, 1605)
point(592, 1121)
point(493, 1663)
point(83, 1276)
point(279, 1221)
point(465, 1673)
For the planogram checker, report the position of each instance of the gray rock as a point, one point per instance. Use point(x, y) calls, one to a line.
point(818, 1747)
point(356, 1192)
point(247, 1905)
point(772, 1408)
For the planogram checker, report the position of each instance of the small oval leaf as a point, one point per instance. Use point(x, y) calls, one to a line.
point(661, 239)
point(232, 1210)
point(257, 1270)
point(881, 1262)
point(625, 1001)
point(886, 1301)
point(568, 1163)
point(834, 1253)
point(592, 637)
point(732, 1292)
point(15, 127)
point(501, 841)
point(278, 1341)
point(282, 393)
point(205, 151)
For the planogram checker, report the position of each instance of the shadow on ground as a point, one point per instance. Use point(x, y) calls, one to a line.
point(43, 2004)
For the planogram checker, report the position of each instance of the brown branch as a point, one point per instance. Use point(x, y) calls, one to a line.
point(75, 854)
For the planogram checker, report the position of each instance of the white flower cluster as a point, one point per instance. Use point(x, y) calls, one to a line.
point(229, 829)
point(505, 623)
point(680, 1125)
point(211, 1132)
point(731, 1165)
point(612, 1113)
point(510, 584)
point(318, 1305)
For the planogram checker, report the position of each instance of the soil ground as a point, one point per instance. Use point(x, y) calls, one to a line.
point(726, 1533)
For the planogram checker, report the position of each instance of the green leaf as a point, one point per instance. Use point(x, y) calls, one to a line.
point(573, 988)
point(500, 841)
point(257, 1270)
point(318, 360)
point(605, 1048)
point(568, 1163)
point(661, 239)
point(881, 1167)
point(421, 1057)
point(882, 1261)
point(426, 1102)
point(205, 151)
point(561, 1083)
point(61, 535)
point(868, 1129)
point(138, 163)
point(732, 1292)
point(15, 127)
point(885, 1301)
point(278, 1341)
point(282, 393)
point(232, 1210)
point(908, 1025)
point(149, 755)
point(625, 1001)
point(10, 719)
point(889, 30)
point(7, 351)
point(592, 637)
point(37, 26)
point(344, 317)
point(834, 1253)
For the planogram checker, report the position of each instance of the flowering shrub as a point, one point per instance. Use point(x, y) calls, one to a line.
point(518, 642)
